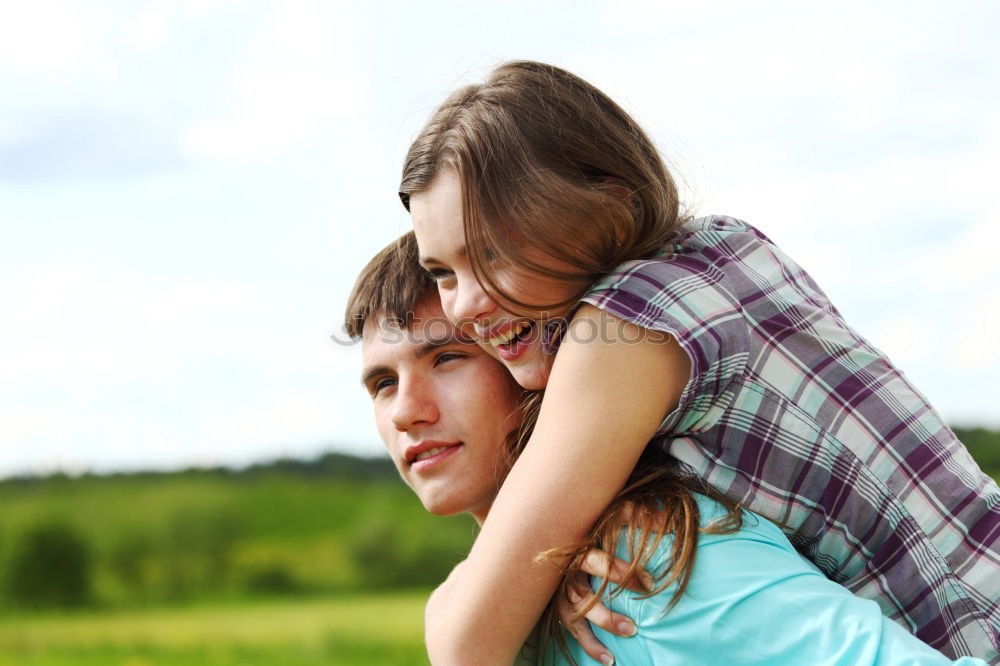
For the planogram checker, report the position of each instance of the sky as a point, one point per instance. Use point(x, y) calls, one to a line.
point(188, 190)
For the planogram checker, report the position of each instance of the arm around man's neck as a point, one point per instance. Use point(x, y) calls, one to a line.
point(605, 399)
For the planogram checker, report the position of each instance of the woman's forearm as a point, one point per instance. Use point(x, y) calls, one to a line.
point(603, 404)
point(484, 612)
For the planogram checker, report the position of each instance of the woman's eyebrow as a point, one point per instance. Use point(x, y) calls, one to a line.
point(461, 251)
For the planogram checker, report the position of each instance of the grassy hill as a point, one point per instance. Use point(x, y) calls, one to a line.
point(293, 563)
point(336, 524)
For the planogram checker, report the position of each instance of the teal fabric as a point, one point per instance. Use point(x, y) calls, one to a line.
point(753, 599)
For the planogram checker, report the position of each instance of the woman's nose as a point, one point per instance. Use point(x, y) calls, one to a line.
point(471, 303)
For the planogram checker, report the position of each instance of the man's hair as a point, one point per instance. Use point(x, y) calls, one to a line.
point(392, 286)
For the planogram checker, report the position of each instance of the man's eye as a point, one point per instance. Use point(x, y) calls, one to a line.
point(447, 357)
point(381, 384)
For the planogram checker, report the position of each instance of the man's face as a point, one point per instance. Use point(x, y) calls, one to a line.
point(443, 408)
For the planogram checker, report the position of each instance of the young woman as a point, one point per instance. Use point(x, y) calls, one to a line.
point(549, 222)
point(448, 415)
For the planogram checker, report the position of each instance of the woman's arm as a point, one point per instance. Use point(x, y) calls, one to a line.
point(752, 599)
point(610, 387)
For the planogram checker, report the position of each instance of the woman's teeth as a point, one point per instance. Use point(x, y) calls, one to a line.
point(505, 338)
point(430, 452)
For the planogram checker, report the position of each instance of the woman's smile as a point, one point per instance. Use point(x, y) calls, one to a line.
point(514, 339)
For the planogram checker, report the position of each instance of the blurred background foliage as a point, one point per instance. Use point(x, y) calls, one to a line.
point(333, 525)
point(222, 566)
point(326, 561)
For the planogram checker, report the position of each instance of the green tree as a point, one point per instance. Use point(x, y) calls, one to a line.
point(197, 547)
point(129, 560)
point(984, 445)
point(388, 554)
point(50, 566)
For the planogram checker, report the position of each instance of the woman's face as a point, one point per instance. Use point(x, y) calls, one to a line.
point(515, 340)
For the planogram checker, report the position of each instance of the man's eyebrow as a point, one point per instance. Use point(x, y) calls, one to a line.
point(423, 350)
point(372, 373)
point(431, 346)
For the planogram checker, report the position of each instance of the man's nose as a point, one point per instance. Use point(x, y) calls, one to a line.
point(414, 405)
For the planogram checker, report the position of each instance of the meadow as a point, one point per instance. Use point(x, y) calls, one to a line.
point(320, 562)
point(359, 629)
point(293, 562)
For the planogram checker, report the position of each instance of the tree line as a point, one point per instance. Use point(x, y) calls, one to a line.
point(287, 527)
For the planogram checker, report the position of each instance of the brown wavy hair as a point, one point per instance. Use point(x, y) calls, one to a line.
point(657, 500)
point(546, 160)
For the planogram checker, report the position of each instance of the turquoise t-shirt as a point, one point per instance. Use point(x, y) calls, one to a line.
point(752, 599)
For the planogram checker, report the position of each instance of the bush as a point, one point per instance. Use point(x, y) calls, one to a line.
point(50, 566)
point(984, 445)
point(130, 558)
point(387, 554)
point(197, 546)
point(272, 579)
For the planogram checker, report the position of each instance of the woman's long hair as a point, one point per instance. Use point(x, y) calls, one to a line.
point(547, 162)
point(657, 501)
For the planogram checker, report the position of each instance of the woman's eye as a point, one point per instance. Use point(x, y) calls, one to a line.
point(438, 274)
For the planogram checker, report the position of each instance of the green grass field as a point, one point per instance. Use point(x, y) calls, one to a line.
point(173, 560)
point(357, 629)
point(185, 536)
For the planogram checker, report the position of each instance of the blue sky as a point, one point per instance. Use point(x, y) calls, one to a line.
point(187, 190)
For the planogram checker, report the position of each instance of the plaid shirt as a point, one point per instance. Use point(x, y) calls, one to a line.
point(793, 414)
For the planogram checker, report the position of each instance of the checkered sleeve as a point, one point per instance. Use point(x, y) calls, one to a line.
point(686, 298)
point(792, 413)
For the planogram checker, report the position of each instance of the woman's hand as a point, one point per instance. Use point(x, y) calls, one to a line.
point(577, 594)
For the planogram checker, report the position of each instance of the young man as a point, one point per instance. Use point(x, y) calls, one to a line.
point(445, 411)
point(443, 407)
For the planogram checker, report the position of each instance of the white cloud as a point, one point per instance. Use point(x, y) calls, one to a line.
point(20, 426)
point(272, 109)
point(290, 420)
point(42, 36)
point(105, 369)
point(78, 322)
point(149, 29)
point(293, 81)
point(976, 348)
